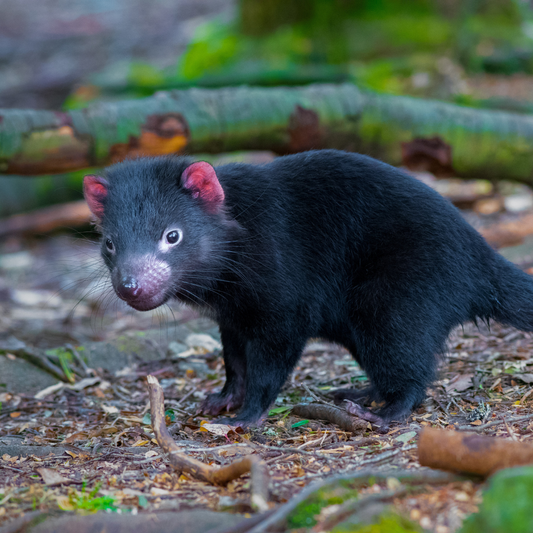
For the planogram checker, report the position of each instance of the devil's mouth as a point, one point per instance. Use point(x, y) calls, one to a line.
point(147, 304)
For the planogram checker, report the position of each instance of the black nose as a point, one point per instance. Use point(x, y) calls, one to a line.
point(128, 288)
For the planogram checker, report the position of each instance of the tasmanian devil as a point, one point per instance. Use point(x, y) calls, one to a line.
point(320, 244)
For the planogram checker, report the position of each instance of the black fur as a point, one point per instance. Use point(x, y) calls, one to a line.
point(320, 244)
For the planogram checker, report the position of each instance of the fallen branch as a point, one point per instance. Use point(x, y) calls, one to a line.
point(295, 451)
point(512, 420)
point(47, 219)
point(355, 481)
point(23, 523)
point(329, 413)
point(474, 454)
point(183, 463)
point(260, 494)
point(244, 526)
point(420, 134)
point(509, 233)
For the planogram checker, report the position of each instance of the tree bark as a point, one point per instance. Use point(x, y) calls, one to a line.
point(444, 138)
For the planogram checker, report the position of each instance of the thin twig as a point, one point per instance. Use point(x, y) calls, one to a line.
point(374, 460)
point(496, 423)
point(180, 401)
point(526, 395)
point(287, 449)
point(79, 359)
point(315, 396)
point(509, 430)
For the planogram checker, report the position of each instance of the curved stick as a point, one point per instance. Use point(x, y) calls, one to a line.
point(181, 462)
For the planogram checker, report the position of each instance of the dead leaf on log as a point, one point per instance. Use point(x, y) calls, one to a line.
point(217, 429)
point(304, 130)
point(160, 135)
point(428, 155)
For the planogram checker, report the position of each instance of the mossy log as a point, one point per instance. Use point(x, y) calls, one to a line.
point(444, 138)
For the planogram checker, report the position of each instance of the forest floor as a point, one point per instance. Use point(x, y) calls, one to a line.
point(88, 444)
point(72, 447)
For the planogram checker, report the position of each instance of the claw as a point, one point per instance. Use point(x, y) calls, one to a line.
point(241, 422)
point(214, 404)
point(356, 410)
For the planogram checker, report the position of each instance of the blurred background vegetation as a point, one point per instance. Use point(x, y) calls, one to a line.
point(445, 49)
point(64, 55)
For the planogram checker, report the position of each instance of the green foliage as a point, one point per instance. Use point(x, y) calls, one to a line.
point(143, 502)
point(144, 74)
point(88, 503)
point(212, 48)
point(279, 410)
point(171, 414)
point(65, 360)
point(379, 44)
point(300, 424)
point(507, 504)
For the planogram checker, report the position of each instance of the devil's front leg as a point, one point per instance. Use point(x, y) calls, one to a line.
point(232, 395)
point(270, 360)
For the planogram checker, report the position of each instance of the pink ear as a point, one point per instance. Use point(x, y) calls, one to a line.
point(201, 179)
point(95, 191)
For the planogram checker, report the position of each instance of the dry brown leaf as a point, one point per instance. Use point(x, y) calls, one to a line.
point(52, 477)
point(460, 383)
point(217, 429)
point(141, 443)
point(76, 437)
point(526, 378)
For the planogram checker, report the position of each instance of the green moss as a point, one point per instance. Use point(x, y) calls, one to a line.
point(507, 504)
point(128, 344)
point(386, 523)
point(304, 515)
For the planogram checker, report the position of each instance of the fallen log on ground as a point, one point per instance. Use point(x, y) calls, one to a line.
point(445, 139)
point(330, 413)
point(474, 454)
point(69, 215)
point(510, 233)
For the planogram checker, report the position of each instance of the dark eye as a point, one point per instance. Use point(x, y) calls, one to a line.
point(173, 237)
point(109, 245)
